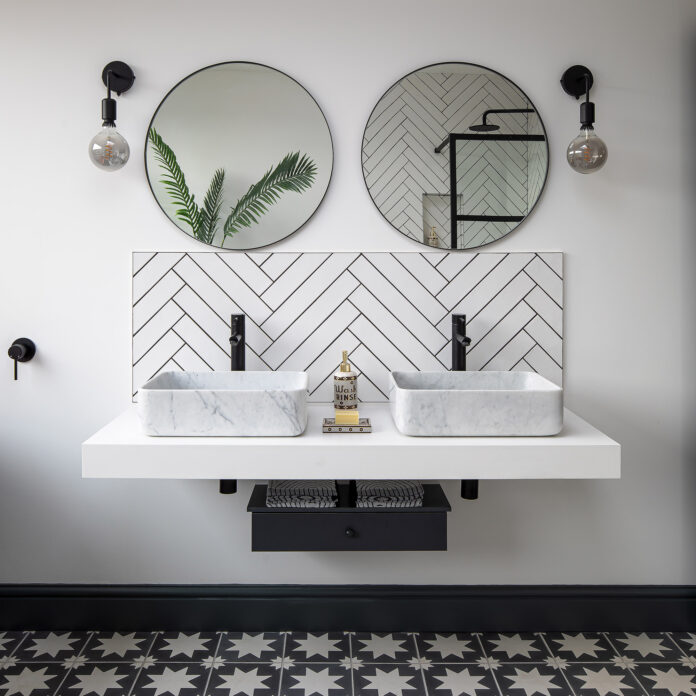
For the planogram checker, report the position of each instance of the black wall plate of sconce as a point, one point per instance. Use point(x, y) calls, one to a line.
point(577, 80)
point(122, 76)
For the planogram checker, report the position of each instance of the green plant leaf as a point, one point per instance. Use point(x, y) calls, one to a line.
point(210, 213)
point(293, 173)
point(175, 184)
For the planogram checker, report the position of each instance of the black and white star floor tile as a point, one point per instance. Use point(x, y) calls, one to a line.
point(175, 663)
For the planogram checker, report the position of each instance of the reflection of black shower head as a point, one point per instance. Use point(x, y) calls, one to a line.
point(485, 127)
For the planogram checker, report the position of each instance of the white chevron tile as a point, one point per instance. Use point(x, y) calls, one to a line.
point(224, 277)
point(155, 328)
point(547, 279)
point(554, 261)
point(155, 358)
point(259, 257)
point(386, 309)
point(483, 348)
point(422, 268)
point(219, 299)
point(287, 283)
point(247, 270)
point(188, 361)
point(140, 258)
point(202, 344)
point(409, 314)
point(388, 266)
point(299, 355)
point(543, 335)
point(278, 263)
point(310, 321)
point(152, 272)
point(302, 299)
point(540, 362)
point(468, 277)
point(511, 353)
point(546, 308)
point(155, 299)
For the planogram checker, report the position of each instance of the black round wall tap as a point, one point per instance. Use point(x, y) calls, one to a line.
point(21, 350)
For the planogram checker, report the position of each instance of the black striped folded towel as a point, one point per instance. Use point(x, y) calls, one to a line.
point(390, 493)
point(301, 494)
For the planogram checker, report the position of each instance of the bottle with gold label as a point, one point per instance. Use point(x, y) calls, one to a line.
point(346, 394)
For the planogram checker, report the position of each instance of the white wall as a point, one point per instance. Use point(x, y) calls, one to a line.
point(68, 229)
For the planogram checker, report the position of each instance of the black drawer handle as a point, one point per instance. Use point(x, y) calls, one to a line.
point(350, 532)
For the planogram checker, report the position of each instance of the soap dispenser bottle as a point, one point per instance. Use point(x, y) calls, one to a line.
point(346, 394)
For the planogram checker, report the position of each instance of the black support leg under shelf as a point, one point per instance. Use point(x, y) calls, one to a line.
point(228, 486)
point(470, 490)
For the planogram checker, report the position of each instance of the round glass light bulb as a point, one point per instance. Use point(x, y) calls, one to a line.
point(587, 152)
point(108, 149)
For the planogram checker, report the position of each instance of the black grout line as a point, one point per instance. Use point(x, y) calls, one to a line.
point(144, 662)
point(212, 664)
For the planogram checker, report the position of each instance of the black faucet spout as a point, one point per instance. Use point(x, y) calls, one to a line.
point(460, 341)
point(237, 343)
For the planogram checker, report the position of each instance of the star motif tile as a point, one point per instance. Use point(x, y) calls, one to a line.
point(50, 646)
point(177, 646)
point(8, 641)
point(311, 647)
point(30, 680)
point(652, 645)
point(98, 680)
point(252, 647)
point(530, 680)
point(114, 646)
point(388, 680)
point(600, 680)
point(383, 647)
point(243, 680)
point(454, 680)
point(515, 647)
point(172, 680)
point(579, 645)
point(449, 647)
point(670, 680)
point(317, 680)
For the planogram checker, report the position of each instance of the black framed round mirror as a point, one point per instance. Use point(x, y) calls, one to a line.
point(238, 155)
point(455, 155)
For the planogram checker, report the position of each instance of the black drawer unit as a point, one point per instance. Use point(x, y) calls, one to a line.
point(349, 528)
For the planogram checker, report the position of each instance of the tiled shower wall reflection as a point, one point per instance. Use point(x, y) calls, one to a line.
point(391, 311)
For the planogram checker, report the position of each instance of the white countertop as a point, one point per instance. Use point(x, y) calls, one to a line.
point(121, 450)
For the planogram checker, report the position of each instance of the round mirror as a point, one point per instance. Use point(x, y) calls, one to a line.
point(455, 155)
point(238, 155)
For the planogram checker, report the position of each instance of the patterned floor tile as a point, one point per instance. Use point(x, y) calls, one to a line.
point(456, 679)
point(529, 679)
point(383, 679)
point(322, 679)
point(35, 679)
point(252, 647)
point(49, 646)
point(579, 646)
point(600, 679)
point(9, 640)
point(644, 646)
point(174, 679)
point(176, 646)
point(103, 679)
point(251, 680)
point(449, 647)
point(383, 647)
point(317, 647)
point(114, 647)
point(661, 679)
point(686, 642)
point(514, 647)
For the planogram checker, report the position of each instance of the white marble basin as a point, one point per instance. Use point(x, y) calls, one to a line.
point(475, 403)
point(224, 404)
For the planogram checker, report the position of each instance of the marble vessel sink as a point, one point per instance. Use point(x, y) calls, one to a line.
point(224, 404)
point(475, 403)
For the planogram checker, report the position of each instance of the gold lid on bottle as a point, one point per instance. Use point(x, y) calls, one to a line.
point(345, 366)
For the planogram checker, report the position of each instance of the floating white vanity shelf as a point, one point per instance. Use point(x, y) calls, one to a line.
point(121, 450)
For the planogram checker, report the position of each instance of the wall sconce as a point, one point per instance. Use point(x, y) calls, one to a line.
point(109, 149)
point(587, 152)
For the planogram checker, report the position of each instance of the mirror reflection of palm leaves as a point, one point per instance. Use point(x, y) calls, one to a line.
point(295, 172)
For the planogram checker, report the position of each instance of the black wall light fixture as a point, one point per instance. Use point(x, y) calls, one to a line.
point(109, 149)
point(587, 152)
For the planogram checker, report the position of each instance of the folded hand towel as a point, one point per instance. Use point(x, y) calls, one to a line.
point(301, 494)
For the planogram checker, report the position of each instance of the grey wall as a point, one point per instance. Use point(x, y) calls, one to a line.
point(68, 231)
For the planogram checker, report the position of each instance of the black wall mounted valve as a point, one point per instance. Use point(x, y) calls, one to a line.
point(21, 350)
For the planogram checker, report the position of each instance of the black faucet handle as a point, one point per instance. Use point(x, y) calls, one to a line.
point(21, 350)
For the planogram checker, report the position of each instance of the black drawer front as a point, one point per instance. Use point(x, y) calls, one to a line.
point(349, 531)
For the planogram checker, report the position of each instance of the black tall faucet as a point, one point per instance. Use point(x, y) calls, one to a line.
point(460, 341)
point(237, 343)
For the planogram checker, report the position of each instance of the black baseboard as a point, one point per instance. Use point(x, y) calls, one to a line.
point(348, 607)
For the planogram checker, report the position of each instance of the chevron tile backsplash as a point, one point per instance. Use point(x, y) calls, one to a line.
point(391, 311)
